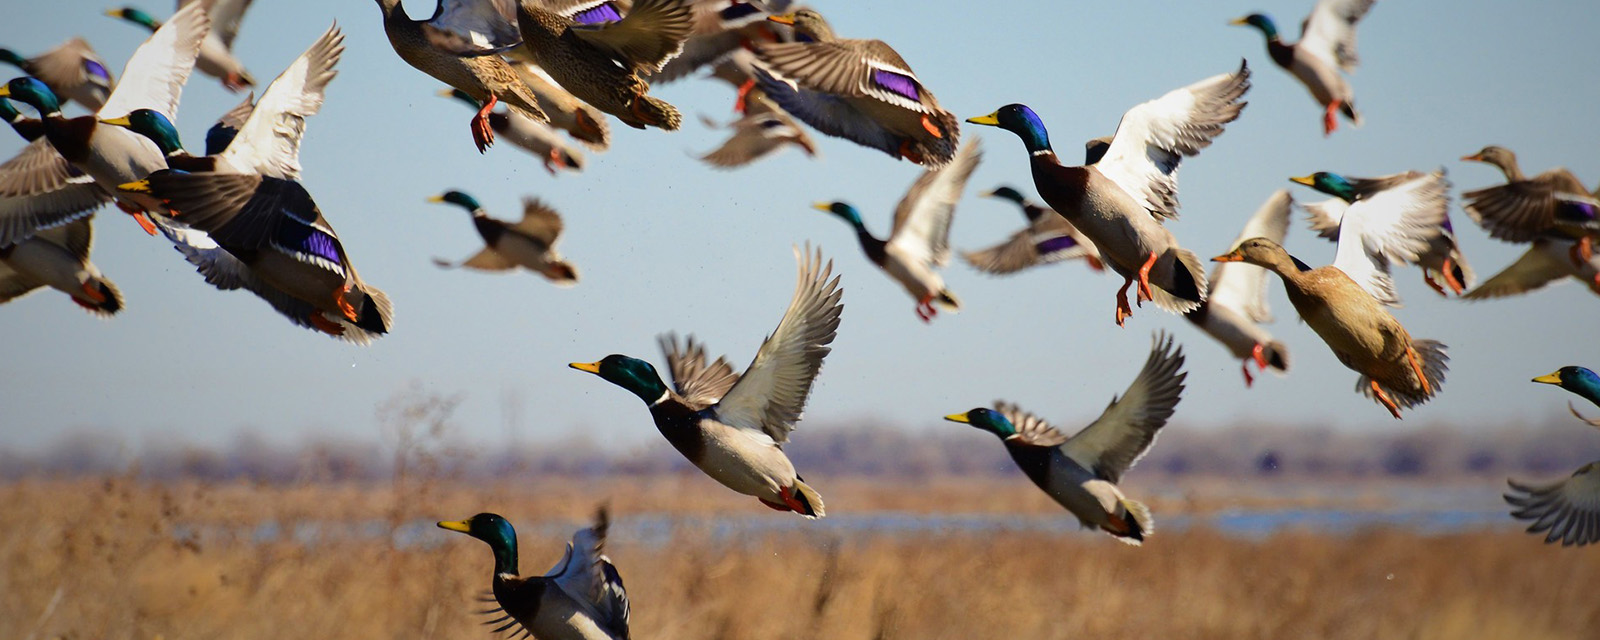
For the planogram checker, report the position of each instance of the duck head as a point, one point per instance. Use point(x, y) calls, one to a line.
point(1332, 184)
point(32, 92)
point(459, 199)
point(494, 530)
point(153, 125)
point(987, 420)
point(843, 210)
point(1263, 253)
point(1260, 21)
point(1019, 119)
point(1576, 379)
point(632, 374)
point(136, 16)
point(1004, 193)
point(809, 26)
point(1495, 155)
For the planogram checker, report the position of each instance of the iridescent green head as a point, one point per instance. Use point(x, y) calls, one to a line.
point(987, 420)
point(153, 125)
point(1576, 379)
point(1260, 21)
point(136, 16)
point(32, 92)
point(1005, 193)
point(1019, 119)
point(10, 57)
point(496, 531)
point(457, 198)
point(632, 374)
point(1332, 184)
point(843, 210)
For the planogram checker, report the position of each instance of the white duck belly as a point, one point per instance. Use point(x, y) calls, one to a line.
point(749, 463)
point(1234, 331)
point(1325, 83)
point(51, 264)
point(562, 618)
point(918, 280)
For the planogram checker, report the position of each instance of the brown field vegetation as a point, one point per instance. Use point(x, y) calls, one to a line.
point(118, 558)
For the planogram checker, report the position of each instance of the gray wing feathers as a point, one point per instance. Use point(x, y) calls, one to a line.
point(1124, 432)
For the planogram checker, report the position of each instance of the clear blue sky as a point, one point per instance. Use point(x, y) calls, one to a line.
point(665, 243)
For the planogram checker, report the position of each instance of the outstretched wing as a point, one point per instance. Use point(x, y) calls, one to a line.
point(539, 222)
point(1565, 509)
point(827, 113)
point(1155, 136)
point(771, 394)
point(39, 189)
point(647, 37)
point(1124, 432)
point(269, 139)
point(586, 574)
point(1544, 262)
point(698, 380)
point(1329, 33)
point(154, 76)
point(1243, 287)
point(1394, 224)
point(922, 219)
point(1031, 429)
point(1522, 210)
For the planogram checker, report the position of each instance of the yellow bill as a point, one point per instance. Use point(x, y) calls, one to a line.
point(1309, 181)
point(591, 367)
point(1549, 378)
point(958, 417)
point(456, 525)
point(992, 119)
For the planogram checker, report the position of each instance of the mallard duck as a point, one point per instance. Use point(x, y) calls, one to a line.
point(582, 122)
point(733, 426)
point(1568, 509)
point(266, 135)
point(226, 128)
point(153, 78)
point(1327, 46)
point(1551, 204)
point(529, 135)
point(1545, 261)
point(1237, 303)
point(1441, 260)
point(581, 598)
point(1081, 473)
point(1396, 371)
point(58, 258)
point(1121, 201)
point(39, 189)
point(761, 132)
point(456, 46)
point(919, 241)
point(1399, 218)
point(529, 243)
point(216, 51)
point(72, 70)
point(601, 62)
point(276, 230)
point(859, 90)
point(1047, 239)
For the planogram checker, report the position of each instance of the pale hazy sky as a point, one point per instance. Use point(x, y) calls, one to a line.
point(665, 243)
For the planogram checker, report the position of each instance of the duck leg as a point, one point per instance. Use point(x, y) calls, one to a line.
point(929, 126)
point(1582, 251)
point(1330, 119)
point(553, 161)
point(233, 82)
point(139, 216)
point(1144, 279)
point(482, 135)
point(1095, 263)
point(1384, 398)
point(1416, 367)
point(1123, 310)
point(345, 308)
point(741, 104)
point(89, 289)
point(325, 325)
point(1427, 278)
point(790, 501)
point(1248, 379)
point(773, 505)
point(1450, 279)
point(909, 152)
point(925, 309)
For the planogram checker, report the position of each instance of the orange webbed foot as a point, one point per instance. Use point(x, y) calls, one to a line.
point(1144, 279)
point(1388, 403)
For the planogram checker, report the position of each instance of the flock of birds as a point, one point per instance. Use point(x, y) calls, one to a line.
point(563, 68)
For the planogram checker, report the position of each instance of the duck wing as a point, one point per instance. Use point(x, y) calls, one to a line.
point(1125, 430)
point(771, 394)
point(652, 32)
point(850, 68)
point(269, 138)
point(470, 28)
point(70, 66)
point(1243, 287)
point(587, 575)
point(1051, 239)
point(922, 219)
point(1566, 509)
point(1031, 429)
point(1329, 33)
point(700, 381)
point(1154, 137)
point(1393, 219)
point(539, 222)
point(1538, 266)
point(1522, 210)
point(39, 189)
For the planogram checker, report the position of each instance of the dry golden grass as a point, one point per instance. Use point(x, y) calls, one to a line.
point(110, 559)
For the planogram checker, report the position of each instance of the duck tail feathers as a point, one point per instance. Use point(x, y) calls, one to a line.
point(1186, 285)
point(376, 312)
point(1434, 360)
point(1348, 108)
point(1277, 356)
point(947, 301)
point(1139, 523)
point(658, 113)
point(809, 499)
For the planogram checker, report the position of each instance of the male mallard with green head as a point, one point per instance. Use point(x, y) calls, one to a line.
point(581, 598)
point(1442, 260)
point(859, 90)
point(1081, 472)
point(39, 189)
point(919, 241)
point(1327, 46)
point(1122, 201)
point(1568, 509)
point(529, 243)
point(733, 426)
